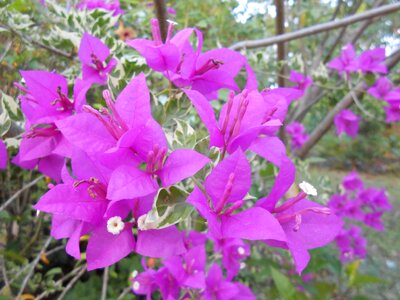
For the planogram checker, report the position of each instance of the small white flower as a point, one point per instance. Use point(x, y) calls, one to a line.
point(308, 188)
point(115, 225)
point(172, 22)
point(241, 251)
point(136, 285)
point(242, 265)
point(134, 273)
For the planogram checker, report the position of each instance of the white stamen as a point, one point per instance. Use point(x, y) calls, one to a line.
point(115, 225)
point(241, 251)
point(308, 188)
point(136, 285)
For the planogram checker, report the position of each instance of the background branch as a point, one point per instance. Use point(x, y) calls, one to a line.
point(375, 12)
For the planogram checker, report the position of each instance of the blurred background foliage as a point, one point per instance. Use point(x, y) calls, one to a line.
point(33, 36)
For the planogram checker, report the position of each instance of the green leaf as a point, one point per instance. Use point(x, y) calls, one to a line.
point(285, 288)
point(169, 208)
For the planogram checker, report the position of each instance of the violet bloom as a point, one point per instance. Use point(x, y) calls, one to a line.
point(393, 111)
point(3, 155)
point(113, 6)
point(306, 224)
point(188, 67)
point(351, 244)
point(347, 122)
point(234, 252)
point(298, 134)
point(352, 182)
point(80, 206)
point(373, 61)
point(242, 119)
point(93, 54)
point(225, 188)
point(375, 198)
point(347, 62)
point(129, 181)
point(219, 288)
point(45, 102)
point(303, 81)
point(383, 90)
point(188, 270)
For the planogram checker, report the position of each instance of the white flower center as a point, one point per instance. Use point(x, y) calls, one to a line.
point(115, 225)
point(308, 188)
point(136, 285)
point(241, 251)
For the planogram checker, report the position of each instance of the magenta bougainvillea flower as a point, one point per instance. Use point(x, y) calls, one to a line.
point(3, 155)
point(347, 122)
point(80, 206)
point(383, 90)
point(234, 252)
point(243, 118)
point(352, 244)
point(297, 215)
point(93, 54)
point(352, 182)
point(298, 134)
point(96, 132)
point(303, 81)
point(128, 181)
point(113, 6)
point(226, 187)
point(373, 61)
point(218, 288)
point(393, 111)
point(347, 62)
point(186, 66)
point(44, 103)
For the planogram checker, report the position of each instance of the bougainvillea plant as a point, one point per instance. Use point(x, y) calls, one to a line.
point(119, 180)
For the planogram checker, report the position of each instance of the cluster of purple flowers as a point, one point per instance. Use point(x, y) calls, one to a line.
point(297, 133)
point(361, 205)
point(112, 164)
point(369, 61)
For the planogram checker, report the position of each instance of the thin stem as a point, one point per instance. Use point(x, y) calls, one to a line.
point(32, 268)
point(104, 285)
point(15, 196)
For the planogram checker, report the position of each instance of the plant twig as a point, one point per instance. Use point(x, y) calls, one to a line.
point(60, 281)
point(15, 196)
point(71, 283)
point(161, 12)
point(104, 285)
point(312, 30)
point(124, 293)
point(32, 268)
point(36, 43)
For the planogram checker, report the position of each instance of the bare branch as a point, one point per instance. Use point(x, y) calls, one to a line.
point(280, 29)
point(161, 12)
point(375, 12)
